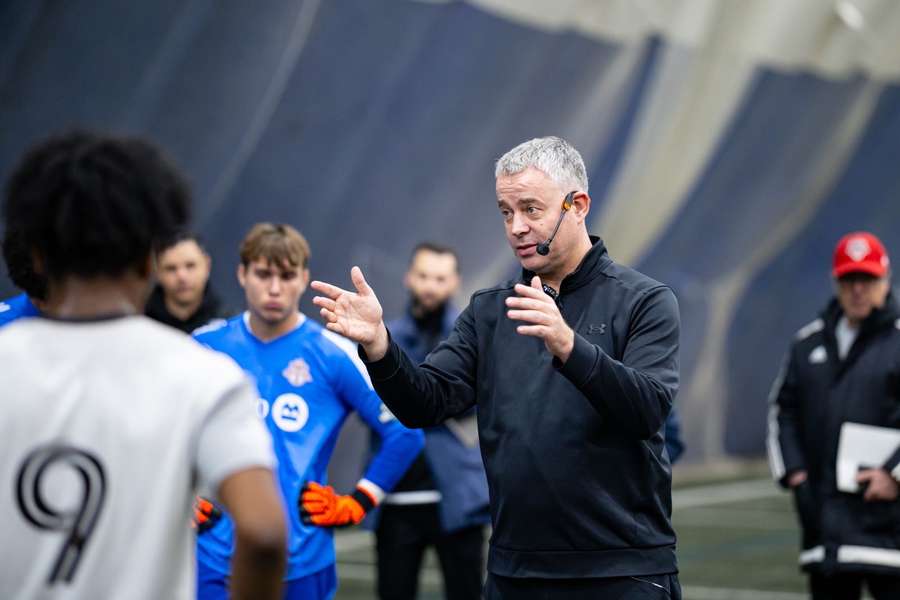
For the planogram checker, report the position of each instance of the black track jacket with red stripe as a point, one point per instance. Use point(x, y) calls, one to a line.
point(579, 481)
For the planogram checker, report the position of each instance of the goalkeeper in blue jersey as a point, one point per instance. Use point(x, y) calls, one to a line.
point(309, 380)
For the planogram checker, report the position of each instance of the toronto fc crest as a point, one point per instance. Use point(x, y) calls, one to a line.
point(297, 372)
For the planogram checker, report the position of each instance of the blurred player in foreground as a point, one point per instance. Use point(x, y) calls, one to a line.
point(113, 421)
point(309, 380)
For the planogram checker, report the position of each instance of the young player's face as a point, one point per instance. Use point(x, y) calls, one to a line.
point(183, 271)
point(432, 278)
point(273, 291)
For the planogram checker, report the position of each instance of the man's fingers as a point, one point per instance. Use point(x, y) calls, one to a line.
point(332, 291)
point(539, 331)
point(536, 283)
point(531, 316)
point(523, 303)
point(324, 303)
point(336, 327)
point(864, 476)
point(359, 282)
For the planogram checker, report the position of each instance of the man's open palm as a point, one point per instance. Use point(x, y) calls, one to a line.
point(355, 315)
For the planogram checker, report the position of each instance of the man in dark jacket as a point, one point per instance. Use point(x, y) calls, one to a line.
point(442, 501)
point(844, 367)
point(183, 298)
point(573, 367)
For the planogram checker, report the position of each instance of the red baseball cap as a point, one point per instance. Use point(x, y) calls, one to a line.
point(860, 252)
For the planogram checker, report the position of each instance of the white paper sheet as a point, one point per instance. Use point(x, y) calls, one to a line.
point(861, 447)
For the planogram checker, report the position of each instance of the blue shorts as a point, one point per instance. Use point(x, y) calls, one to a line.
point(321, 585)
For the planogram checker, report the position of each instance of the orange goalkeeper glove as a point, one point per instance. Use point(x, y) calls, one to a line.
point(320, 505)
point(206, 514)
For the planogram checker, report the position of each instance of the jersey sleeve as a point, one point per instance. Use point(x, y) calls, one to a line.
point(231, 438)
point(399, 446)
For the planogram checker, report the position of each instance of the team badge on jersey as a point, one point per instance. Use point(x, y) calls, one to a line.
point(290, 412)
point(297, 372)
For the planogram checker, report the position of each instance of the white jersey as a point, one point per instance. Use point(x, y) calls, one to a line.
point(107, 430)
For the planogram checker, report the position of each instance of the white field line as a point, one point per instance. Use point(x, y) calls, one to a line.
point(724, 493)
point(694, 497)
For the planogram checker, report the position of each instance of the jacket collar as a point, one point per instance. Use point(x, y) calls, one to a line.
point(593, 263)
point(209, 308)
point(880, 318)
point(448, 319)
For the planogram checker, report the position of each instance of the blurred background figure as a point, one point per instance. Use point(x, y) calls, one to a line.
point(672, 432)
point(183, 297)
point(842, 368)
point(442, 501)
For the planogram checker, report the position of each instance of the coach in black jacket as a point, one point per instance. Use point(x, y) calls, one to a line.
point(843, 367)
point(573, 369)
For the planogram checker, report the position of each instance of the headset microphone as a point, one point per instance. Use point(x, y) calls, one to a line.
point(544, 247)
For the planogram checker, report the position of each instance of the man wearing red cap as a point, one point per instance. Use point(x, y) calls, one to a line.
point(844, 367)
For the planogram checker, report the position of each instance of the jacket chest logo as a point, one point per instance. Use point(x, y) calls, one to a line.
point(297, 372)
point(596, 329)
point(818, 356)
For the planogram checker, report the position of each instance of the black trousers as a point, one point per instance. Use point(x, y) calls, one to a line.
point(403, 534)
point(645, 587)
point(848, 586)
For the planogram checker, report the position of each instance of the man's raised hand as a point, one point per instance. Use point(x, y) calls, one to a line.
point(354, 315)
point(543, 318)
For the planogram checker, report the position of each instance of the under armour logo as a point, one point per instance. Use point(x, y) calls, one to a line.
point(596, 329)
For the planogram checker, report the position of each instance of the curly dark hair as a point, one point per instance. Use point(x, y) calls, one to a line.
point(88, 204)
point(20, 266)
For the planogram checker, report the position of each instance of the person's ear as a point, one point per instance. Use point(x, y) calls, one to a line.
point(242, 275)
point(581, 206)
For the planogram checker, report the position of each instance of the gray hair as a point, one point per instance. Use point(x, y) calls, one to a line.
point(554, 156)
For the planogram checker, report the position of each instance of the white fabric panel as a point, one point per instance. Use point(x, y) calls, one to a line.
point(868, 556)
point(813, 555)
point(677, 131)
point(832, 38)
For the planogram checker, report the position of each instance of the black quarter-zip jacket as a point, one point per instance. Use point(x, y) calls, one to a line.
point(579, 483)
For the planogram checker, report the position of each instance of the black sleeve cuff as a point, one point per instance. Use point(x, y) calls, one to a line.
point(891, 465)
point(387, 366)
point(364, 500)
point(582, 361)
